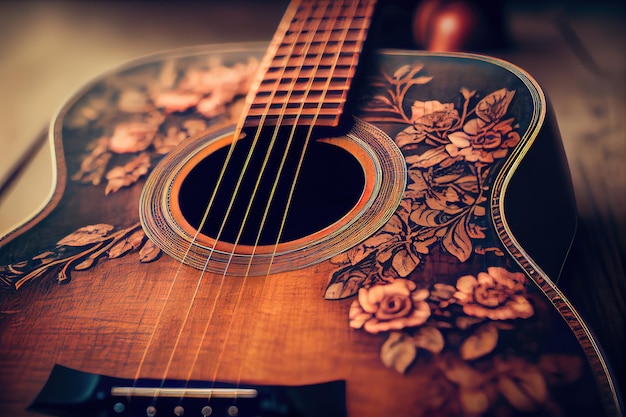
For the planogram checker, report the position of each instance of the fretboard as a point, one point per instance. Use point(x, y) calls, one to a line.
point(308, 68)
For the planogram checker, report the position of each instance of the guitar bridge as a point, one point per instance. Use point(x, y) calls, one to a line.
point(72, 393)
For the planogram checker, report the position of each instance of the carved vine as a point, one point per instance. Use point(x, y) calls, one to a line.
point(79, 251)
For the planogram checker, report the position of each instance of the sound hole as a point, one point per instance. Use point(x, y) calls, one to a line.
point(330, 183)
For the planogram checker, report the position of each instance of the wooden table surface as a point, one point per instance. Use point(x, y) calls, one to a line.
point(575, 50)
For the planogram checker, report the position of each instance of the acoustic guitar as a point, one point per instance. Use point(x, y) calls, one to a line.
point(233, 234)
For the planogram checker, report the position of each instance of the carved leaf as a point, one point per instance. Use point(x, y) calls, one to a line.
point(378, 240)
point(134, 136)
point(128, 174)
point(494, 106)
point(398, 352)
point(358, 254)
point(479, 211)
point(525, 389)
point(165, 143)
point(44, 255)
point(86, 264)
point(404, 75)
point(92, 168)
point(561, 369)
point(457, 241)
point(429, 338)
point(383, 100)
point(483, 341)
point(415, 69)
point(461, 373)
point(149, 252)
point(425, 216)
point(86, 235)
point(468, 183)
point(420, 80)
point(409, 136)
point(402, 71)
point(133, 101)
point(194, 126)
point(404, 262)
point(347, 281)
point(428, 159)
point(424, 242)
point(476, 402)
point(465, 322)
point(127, 244)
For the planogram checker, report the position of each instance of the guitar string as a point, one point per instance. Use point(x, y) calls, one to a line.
point(235, 192)
point(221, 284)
point(347, 27)
point(274, 186)
point(248, 208)
point(325, 90)
point(231, 149)
point(220, 179)
point(236, 136)
point(242, 287)
point(195, 294)
point(364, 26)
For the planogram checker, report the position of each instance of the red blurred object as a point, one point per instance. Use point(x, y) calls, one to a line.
point(458, 25)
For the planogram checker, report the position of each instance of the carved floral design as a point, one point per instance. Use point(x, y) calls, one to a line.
point(496, 294)
point(392, 306)
point(458, 322)
point(146, 118)
point(450, 154)
point(78, 251)
point(432, 317)
point(129, 122)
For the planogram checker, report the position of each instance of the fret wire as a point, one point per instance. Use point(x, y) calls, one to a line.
point(316, 116)
point(256, 137)
point(363, 30)
point(270, 199)
point(333, 27)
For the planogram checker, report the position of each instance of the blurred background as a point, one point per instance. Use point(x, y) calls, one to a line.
point(575, 49)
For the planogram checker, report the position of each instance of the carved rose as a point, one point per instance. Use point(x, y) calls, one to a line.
point(135, 136)
point(392, 306)
point(478, 143)
point(496, 294)
point(176, 101)
point(430, 119)
point(420, 109)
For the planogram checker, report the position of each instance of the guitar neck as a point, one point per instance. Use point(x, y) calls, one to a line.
point(307, 71)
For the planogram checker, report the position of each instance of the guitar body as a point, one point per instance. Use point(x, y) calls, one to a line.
point(440, 311)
